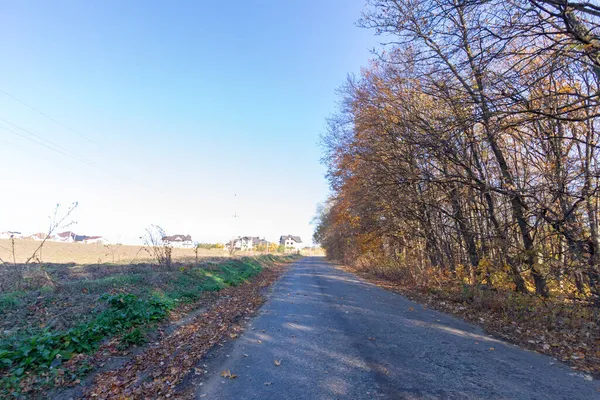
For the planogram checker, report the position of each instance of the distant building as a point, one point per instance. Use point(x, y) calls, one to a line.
point(246, 243)
point(41, 236)
point(94, 240)
point(10, 234)
point(72, 237)
point(290, 242)
point(68, 237)
point(178, 241)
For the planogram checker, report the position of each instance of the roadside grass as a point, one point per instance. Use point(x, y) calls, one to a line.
point(43, 328)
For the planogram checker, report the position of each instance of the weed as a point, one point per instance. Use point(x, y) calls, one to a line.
point(10, 300)
point(48, 349)
point(135, 337)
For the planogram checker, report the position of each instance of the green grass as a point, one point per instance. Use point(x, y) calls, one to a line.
point(142, 301)
point(109, 282)
point(11, 300)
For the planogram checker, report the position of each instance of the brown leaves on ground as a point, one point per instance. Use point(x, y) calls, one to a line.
point(532, 323)
point(227, 374)
point(160, 371)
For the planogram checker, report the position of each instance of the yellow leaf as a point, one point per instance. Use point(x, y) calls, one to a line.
point(227, 374)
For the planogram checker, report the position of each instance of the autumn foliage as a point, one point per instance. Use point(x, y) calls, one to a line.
point(468, 149)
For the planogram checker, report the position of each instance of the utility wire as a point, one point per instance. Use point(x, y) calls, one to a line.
point(26, 152)
point(63, 151)
point(47, 116)
point(46, 145)
point(39, 137)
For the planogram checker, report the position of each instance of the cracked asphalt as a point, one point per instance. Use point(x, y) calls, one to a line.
point(338, 337)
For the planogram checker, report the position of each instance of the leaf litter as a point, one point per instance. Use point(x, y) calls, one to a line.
point(161, 370)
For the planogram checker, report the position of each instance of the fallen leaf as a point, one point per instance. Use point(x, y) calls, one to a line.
point(491, 349)
point(577, 356)
point(411, 309)
point(233, 335)
point(227, 374)
point(277, 362)
point(259, 341)
point(371, 338)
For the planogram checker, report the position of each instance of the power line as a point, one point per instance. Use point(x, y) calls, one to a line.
point(39, 137)
point(63, 151)
point(46, 145)
point(47, 116)
point(26, 152)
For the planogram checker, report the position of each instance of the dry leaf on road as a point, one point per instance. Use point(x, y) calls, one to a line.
point(227, 374)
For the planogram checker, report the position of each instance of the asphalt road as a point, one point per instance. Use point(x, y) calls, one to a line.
point(338, 337)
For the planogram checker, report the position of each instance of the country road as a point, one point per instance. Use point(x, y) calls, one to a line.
point(337, 337)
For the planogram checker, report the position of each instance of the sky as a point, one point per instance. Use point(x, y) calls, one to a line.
point(180, 114)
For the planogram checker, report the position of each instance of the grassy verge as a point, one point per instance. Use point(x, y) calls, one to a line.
point(88, 305)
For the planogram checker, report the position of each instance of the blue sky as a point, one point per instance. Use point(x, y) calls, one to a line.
point(187, 111)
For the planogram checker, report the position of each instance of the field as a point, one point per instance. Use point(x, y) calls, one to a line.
point(54, 315)
point(57, 252)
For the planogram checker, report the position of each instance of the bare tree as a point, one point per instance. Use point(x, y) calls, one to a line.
point(154, 245)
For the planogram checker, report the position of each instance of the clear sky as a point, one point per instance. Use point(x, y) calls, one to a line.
point(176, 113)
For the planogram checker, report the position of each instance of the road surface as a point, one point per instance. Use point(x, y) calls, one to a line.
point(338, 337)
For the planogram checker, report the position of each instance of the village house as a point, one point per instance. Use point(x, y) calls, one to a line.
point(184, 241)
point(40, 236)
point(246, 243)
point(72, 237)
point(10, 234)
point(291, 242)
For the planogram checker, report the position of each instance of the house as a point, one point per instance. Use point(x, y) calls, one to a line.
point(290, 242)
point(94, 240)
point(10, 235)
point(178, 241)
point(41, 236)
point(68, 237)
point(247, 243)
point(72, 237)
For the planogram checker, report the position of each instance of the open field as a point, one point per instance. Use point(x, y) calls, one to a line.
point(57, 252)
point(56, 314)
